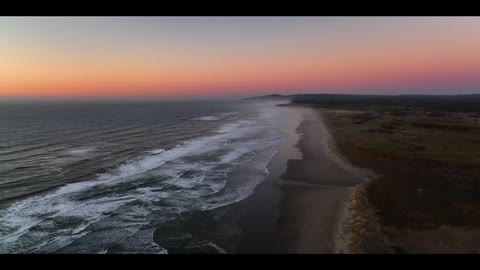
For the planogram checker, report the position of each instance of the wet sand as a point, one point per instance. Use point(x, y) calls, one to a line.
point(295, 210)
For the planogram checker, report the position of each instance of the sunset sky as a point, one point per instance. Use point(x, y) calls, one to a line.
point(237, 56)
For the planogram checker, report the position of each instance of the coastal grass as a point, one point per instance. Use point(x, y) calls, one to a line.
point(428, 162)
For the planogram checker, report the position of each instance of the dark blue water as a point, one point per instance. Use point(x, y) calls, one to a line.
point(106, 176)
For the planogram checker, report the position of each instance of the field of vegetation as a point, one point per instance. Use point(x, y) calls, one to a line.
point(428, 162)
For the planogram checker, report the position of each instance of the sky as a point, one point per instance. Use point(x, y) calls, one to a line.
point(237, 56)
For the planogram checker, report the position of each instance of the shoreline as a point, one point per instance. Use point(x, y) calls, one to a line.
point(261, 210)
point(332, 150)
point(358, 228)
point(351, 222)
point(302, 209)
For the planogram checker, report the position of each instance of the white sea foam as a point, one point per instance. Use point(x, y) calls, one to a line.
point(26, 225)
point(156, 151)
point(215, 117)
point(206, 118)
point(81, 151)
point(229, 113)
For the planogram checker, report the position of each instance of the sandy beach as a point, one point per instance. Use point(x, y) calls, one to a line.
point(298, 207)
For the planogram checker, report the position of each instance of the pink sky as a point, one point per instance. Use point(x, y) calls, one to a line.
point(237, 56)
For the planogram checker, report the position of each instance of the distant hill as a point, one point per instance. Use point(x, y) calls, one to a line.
point(465, 103)
point(459, 103)
point(270, 97)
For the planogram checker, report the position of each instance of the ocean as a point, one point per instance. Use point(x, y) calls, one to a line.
point(130, 176)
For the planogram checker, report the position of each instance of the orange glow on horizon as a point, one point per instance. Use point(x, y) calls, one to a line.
point(352, 63)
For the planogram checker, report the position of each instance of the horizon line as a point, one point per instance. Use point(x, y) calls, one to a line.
point(185, 98)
